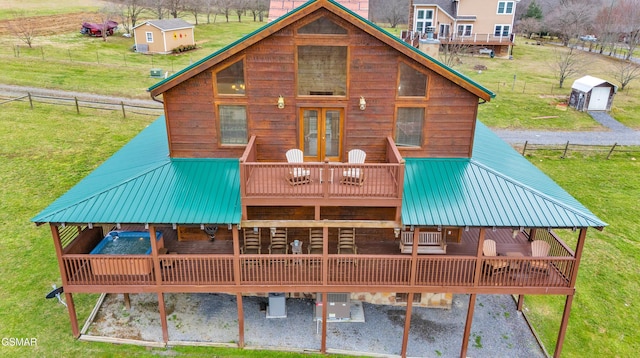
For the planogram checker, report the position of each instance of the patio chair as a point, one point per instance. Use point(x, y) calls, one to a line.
point(297, 175)
point(278, 243)
point(347, 241)
point(251, 242)
point(315, 241)
point(493, 266)
point(539, 248)
point(355, 175)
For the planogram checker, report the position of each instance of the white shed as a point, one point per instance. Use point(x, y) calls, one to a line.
point(592, 94)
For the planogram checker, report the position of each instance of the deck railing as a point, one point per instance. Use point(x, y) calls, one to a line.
point(414, 38)
point(326, 180)
point(307, 270)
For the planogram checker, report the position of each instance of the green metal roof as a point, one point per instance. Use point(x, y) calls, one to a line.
point(496, 187)
point(142, 184)
point(337, 4)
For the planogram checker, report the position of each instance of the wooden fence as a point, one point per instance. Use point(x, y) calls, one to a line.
point(583, 148)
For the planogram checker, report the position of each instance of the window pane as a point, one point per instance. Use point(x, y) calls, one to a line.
point(497, 30)
point(409, 127)
point(231, 79)
point(412, 82)
point(509, 8)
point(322, 70)
point(233, 124)
point(322, 26)
point(420, 14)
point(501, 7)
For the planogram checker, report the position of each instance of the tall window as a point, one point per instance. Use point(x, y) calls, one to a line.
point(233, 124)
point(502, 30)
point(424, 19)
point(149, 36)
point(231, 79)
point(505, 7)
point(465, 30)
point(322, 70)
point(412, 82)
point(409, 126)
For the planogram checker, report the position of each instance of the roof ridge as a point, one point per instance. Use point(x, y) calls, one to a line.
point(560, 203)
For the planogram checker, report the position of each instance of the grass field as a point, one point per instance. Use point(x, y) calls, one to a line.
point(43, 152)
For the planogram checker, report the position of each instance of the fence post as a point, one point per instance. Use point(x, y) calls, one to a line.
point(30, 100)
point(566, 147)
point(612, 148)
point(124, 115)
point(77, 106)
point(525, 147)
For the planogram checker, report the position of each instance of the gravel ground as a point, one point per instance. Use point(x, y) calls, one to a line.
point(498, 330)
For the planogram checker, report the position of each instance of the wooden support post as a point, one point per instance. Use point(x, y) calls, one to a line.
point(127, 301)
point(520, 303)
point(524, 150)
point(407, 323)
point(467, 326)
point(563, 326)
point(479, 259)
point(124, 114)
point(163, 317)
point(77, 106)
point(323, 340)
point(240, 320)
point(30, 100)
point(71, 307)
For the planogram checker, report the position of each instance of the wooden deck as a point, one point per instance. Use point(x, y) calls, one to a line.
point(201, 265)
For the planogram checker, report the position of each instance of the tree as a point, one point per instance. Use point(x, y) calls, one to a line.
point(225, 7)
point(157, 7)
point(450, 53)
point(393, 12)
point(129, 12)
point(566, 63)
point(23, 28)
point(570, 19)
point(626, 13)
point(529, 26)
point(624, 72)
point(107, 14)
point(258, 8)
point(240, 8)
point(534, 11)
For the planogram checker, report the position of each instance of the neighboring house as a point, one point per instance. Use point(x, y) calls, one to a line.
point(325, 81)
point(480, 24)
point(278, 8)
point(590, 93)
point(162, 36)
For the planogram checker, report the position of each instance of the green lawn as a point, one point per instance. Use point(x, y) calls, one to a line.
point(43, 152)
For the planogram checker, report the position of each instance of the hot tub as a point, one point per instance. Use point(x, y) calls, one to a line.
point(118, 243)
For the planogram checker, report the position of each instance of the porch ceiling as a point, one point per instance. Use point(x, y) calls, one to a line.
point(496, 187)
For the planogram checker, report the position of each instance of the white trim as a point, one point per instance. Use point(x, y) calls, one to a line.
point(513, 8)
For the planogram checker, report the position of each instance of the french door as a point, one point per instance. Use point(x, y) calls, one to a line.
point(321, 133)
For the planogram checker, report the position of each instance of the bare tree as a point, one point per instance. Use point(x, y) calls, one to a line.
point(240, 8)
point(23, 28)
point(175, 7)
point(624, 72)
point(393, 12)
point(129, 12)
point(194, 7)
point(107, 15)
point(450, 53)
point(626, 13)
point(258, 8)
point(570, 19)
point(225, 7)
point(157, 7)
point(529, 26)
point(566, 63)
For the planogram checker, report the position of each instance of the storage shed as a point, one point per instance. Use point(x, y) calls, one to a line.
point(162, 36)
point(592, 94)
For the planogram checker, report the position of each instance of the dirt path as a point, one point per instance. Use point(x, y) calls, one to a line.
point(48, 25)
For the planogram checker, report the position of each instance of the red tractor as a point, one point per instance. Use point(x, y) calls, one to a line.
point(95, 29)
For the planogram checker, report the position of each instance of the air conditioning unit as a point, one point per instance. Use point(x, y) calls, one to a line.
point(277, 305)
point(338, 307)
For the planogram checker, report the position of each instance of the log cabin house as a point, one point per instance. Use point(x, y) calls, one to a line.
point(325, 81)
